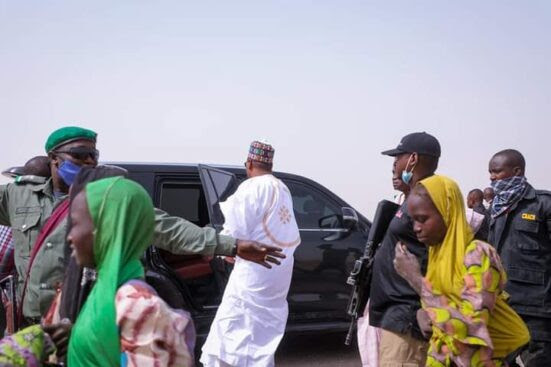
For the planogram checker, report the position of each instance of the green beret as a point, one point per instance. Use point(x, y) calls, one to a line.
point(68, 134)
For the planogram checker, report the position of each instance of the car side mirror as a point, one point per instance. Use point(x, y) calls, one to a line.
point(330, 222)
point(349, 218)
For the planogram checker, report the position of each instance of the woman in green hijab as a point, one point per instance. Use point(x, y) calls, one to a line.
point(123, 322)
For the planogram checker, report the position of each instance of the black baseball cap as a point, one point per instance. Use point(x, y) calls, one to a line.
point(420, 143)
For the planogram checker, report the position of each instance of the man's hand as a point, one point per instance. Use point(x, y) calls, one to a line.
point(259, 253)
point(425, 323)
point(60, 334)
point(407, 265)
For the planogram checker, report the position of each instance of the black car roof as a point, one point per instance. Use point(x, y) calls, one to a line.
point(168, 168)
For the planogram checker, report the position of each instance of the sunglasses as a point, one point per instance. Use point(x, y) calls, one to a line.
point(81, 153)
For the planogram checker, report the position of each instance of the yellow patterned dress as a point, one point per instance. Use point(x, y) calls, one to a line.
point(464, 332)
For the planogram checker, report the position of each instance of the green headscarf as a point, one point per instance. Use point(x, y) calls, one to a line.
point(123, 218)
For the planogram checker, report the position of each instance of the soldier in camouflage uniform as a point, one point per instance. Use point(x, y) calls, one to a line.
point(26, 205)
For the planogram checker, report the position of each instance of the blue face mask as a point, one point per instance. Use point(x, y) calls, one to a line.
point(68, 171)
point(407, 176)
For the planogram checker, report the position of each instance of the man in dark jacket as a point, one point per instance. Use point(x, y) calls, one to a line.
point(520, 230)
point(393, 304)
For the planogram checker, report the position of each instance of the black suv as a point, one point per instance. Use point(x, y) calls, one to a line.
point(333, 237)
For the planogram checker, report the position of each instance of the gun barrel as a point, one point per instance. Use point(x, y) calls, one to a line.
point(360, 275)
point(350, 333)
point(383, 215)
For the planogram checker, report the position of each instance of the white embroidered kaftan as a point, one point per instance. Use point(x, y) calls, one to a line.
point(251, 319)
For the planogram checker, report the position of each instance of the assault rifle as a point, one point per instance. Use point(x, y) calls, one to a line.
point(360, 276)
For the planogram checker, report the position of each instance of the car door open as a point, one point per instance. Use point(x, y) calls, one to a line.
point(218, 185)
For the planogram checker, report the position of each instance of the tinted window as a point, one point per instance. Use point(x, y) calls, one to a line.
point(310, 206)
point(185, 201)
point(219, 184)
point(223, 183)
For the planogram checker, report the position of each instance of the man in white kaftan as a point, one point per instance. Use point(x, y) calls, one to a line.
point(251, 318)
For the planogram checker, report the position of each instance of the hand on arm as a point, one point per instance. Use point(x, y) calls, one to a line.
point(60, 334)
point(425, 323)
point(407, 265)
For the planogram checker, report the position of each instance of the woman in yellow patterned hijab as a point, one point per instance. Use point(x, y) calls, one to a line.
point(462, 292)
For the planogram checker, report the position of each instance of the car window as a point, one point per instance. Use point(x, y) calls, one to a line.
point(221, 183)
point(311, 206)
point(185, 200)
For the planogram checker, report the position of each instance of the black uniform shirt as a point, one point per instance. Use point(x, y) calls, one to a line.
point(393, 303)
point(482, 233)
point(522, 237)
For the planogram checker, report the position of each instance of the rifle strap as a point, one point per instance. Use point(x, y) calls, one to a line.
point(58, 215)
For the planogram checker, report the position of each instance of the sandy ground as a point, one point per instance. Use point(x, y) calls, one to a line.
point(317, 351)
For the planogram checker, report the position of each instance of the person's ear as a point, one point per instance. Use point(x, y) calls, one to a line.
point(414, 160)
point(518, 171)
point(54, 159)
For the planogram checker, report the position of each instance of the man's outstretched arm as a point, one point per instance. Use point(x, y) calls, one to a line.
point(179, 236)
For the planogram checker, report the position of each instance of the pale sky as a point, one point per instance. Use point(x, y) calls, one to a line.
point(329, 83)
